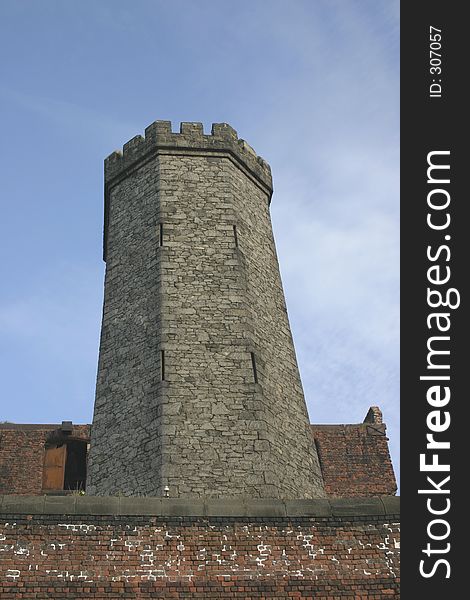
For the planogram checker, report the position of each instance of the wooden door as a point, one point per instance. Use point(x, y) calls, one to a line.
point(54, 468)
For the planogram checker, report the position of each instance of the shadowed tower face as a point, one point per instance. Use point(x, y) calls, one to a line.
point(198, 386)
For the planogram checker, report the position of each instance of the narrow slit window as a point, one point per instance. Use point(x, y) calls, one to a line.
point(162, 364)
point(253, 364)
point(235, 235)
point(160, 235)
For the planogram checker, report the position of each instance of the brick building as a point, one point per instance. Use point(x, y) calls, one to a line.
point(51, 459)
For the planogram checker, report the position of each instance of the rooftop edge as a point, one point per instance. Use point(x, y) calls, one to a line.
point(182, 507)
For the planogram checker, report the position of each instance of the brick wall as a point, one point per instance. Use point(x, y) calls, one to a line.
point(310, 549)
point(22, 454)
point(355, 459)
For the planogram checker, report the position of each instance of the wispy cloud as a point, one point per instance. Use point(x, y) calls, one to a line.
point(313, 86)
point(336, 208)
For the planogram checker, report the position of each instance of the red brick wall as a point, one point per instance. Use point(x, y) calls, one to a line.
point(22, 455)
point(355, 460)
point(46, 556)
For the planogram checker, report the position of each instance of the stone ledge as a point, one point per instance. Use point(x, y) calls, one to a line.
point(209, 507)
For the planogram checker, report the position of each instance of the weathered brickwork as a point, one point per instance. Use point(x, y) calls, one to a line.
point(80, 556)
point(22, 450)
point(355, 459)
point(198, 386)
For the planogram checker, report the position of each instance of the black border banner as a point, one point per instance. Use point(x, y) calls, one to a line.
point(434, 318)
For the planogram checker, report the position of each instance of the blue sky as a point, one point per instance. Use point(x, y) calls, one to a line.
point(312, 85)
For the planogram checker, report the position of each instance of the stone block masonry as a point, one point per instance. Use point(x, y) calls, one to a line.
point(100, 548)
point(198, 386)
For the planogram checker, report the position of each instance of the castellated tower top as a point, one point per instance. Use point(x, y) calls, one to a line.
point(159, 138)
point(198, 390)
point(158, 135)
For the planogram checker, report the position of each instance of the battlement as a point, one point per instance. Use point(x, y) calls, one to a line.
point(191, 139)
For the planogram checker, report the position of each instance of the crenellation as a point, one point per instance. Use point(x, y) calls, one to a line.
point(133, 147)
point(190, 129)
point(223, 131)
point(158, 129)
point(112, 160)
point(159, 138)
point(247, 148)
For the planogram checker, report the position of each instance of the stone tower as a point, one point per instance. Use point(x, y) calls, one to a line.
point(198, 386)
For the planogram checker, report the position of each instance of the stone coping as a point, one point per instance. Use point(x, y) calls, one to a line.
point(187, 507)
